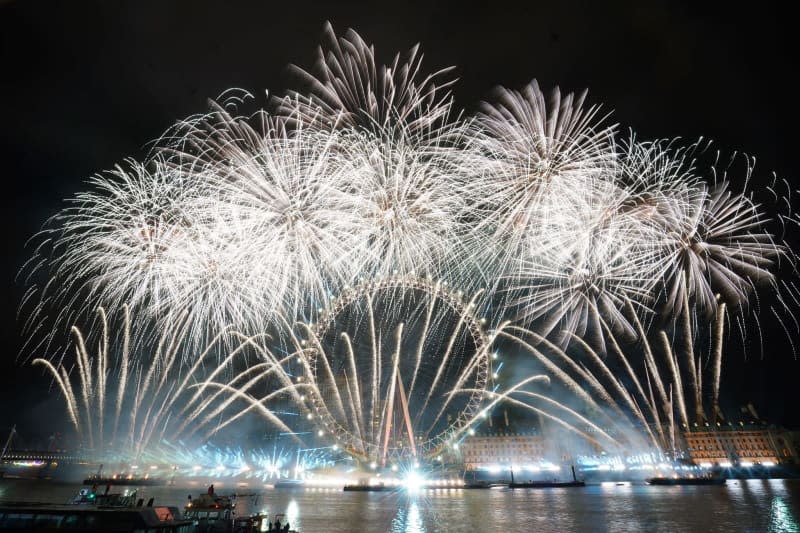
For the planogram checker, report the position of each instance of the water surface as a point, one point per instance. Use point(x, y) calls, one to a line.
point(756, 505)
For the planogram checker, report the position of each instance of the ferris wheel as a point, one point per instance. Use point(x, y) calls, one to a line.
point(399, 367)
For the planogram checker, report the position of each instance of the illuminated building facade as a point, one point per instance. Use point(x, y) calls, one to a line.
point(738, 444)
point(502, 448)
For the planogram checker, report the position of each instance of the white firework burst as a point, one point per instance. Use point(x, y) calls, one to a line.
point(406, 154)
point(113, 244)
point(717, 245)
point(349, 88)
point(541, 162)
point(372, 172)
point(409, 207)
point(280, 203)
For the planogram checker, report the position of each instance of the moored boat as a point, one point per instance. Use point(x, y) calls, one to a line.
point(369, 488)
point(49, 517)
point(105, 499)
point(123, 479)
point(262, 522)
point(546, 484)
point(211, 512)
point(477, 485)
point(686, 481)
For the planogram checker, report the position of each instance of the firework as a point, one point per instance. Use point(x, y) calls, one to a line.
point(265, 221)
point(371, 173)
point(350, 89)
point(254, 463)
point(717, 244)
point(408, 156)
point(290, 200)
point(111, 245)
point(129, 404)
point(636, 398)
point(377, 374)
point(395, 370)
point(385, 361)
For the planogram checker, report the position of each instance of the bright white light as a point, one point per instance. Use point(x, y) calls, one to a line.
point(768, 463)
point(373, 465)
point(413, 481)
point(705, 464)
point(726, 464)
point(746, 464)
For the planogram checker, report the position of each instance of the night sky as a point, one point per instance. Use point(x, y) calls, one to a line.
point(85, 84)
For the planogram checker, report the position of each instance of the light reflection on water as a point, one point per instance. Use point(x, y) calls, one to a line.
point(408, 519)
point(756, 505)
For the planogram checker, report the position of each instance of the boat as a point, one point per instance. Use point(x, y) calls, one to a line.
point(248, 524)
point(47, 517)
point(470, 481)
point(477, 485)
point(671, 481)
point(363, 487)
point(124, 478)
point(105, 499)
point(546, 484)
point(211, 512)
point(261, 522)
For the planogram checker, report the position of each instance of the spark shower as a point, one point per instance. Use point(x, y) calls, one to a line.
point(375, 246)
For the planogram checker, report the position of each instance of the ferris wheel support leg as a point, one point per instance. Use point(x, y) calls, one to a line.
point(388, 417)
point(406, 415)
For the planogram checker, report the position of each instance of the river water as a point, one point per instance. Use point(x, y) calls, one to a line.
point(755, 505)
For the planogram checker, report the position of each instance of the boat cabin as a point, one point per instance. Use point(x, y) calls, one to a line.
point(42, 517)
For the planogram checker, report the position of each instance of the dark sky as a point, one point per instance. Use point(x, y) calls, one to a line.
point(86, 84)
